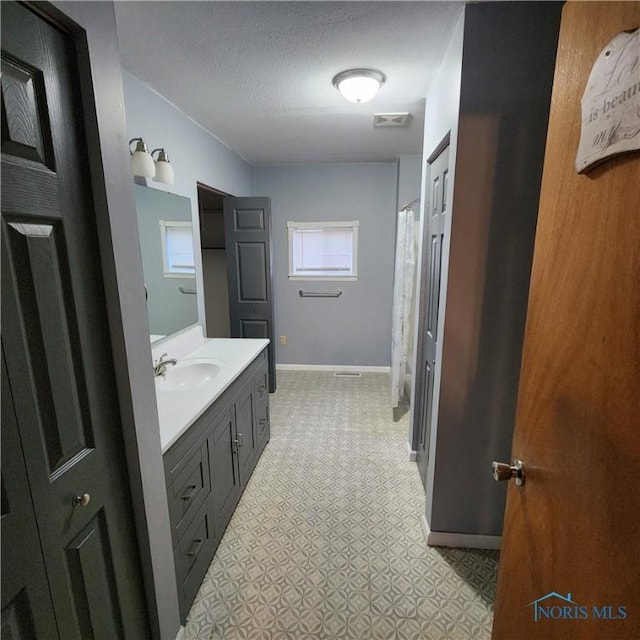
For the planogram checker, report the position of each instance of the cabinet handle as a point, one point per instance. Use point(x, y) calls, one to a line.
point(191, 491)
point(261, 389)
point(196, 545)
point(263, 421)
point(240, 439)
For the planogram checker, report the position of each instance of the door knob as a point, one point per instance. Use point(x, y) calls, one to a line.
point(502, 471)
point(82, 500)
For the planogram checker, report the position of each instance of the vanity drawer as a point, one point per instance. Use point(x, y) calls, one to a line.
point(189, 490)
point(193, 556)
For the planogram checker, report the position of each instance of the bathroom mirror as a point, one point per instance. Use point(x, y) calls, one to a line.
point(166, 243)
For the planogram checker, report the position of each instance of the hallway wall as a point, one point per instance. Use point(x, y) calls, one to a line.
point(354, 329)
point(504, 107)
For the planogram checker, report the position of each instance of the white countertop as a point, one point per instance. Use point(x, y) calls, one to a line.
point(179, 409)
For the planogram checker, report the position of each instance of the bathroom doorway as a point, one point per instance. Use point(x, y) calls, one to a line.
point(214, 262)
point(235, 242)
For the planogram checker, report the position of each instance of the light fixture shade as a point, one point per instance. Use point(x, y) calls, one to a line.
point(142, 163)
point(359, 85)
point(164, 170)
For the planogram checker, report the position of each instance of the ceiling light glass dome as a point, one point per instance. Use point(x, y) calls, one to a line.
point(359, 85)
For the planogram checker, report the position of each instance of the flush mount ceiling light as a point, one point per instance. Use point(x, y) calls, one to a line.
point(359, 85)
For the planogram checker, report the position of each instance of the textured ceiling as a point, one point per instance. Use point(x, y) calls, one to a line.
point(258, 74)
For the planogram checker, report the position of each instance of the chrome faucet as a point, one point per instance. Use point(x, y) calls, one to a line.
point(160, 365)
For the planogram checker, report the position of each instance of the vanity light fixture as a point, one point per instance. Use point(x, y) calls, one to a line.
point(164, 170)
point(144, 165)
point(359, 85)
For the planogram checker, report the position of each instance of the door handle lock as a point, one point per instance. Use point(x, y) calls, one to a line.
point(81, 500)
point(502, 471)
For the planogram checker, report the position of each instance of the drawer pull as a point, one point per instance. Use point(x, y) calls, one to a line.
point(262, 422)
point(196, 545)
point(191, 491)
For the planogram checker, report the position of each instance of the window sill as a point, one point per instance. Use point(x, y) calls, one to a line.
point(324, 278)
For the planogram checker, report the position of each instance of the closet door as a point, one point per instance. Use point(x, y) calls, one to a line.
point(247, 224)
point(27, 610)
point(57, 347)
point(434, 211)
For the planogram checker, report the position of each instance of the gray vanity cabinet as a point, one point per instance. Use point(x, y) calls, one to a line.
point(207, 469)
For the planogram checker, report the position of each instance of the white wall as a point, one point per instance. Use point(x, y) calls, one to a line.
point(195, 153)
point(354, 329)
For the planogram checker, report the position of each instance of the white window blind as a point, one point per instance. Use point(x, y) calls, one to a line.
point(177, 249)
point(323, 250)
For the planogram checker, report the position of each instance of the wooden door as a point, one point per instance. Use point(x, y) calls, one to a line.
point(56, 343)
point(247, 224)
point(434, 216)
point(572, 531)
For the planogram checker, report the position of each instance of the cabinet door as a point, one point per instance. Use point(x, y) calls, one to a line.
point(261, 408)
point(223, 464)
point(245, 426)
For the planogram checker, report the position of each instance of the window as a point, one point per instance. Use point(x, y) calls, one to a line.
point(323, 250)
point(177, 249)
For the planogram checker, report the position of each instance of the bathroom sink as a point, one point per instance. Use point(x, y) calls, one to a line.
point(187, 375)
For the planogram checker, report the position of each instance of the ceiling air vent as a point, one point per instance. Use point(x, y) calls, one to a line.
point(391, 119)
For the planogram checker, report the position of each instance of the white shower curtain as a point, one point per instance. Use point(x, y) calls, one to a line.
point(403, 290)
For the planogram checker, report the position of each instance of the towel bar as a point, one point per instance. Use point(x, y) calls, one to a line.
point(319, 294)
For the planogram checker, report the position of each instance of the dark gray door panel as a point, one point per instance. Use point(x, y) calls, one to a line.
point(56, 340)
point(248, 243)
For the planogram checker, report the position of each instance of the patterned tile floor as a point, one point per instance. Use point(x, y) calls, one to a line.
point(326, 541)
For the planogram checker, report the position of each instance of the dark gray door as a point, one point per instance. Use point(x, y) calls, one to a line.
point(56, 343)
point(247, 224)
point(27, 609)
point(434, 212)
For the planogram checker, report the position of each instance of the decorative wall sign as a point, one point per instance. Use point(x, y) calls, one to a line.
point(611, 103)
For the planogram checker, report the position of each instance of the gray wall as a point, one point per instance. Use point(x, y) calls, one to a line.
point(196, 154)
point(168, 309)
point(354, 329)
point(507, 74)
point(441, 118)
point(409, 180)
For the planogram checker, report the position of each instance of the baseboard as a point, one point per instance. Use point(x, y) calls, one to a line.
point(468, 540)
point(181, 634)
point(331, 367)
point(413, 455)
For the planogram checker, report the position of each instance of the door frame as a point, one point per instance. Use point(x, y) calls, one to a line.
point(417, 408)
point(205, 187)
point(92, 26)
